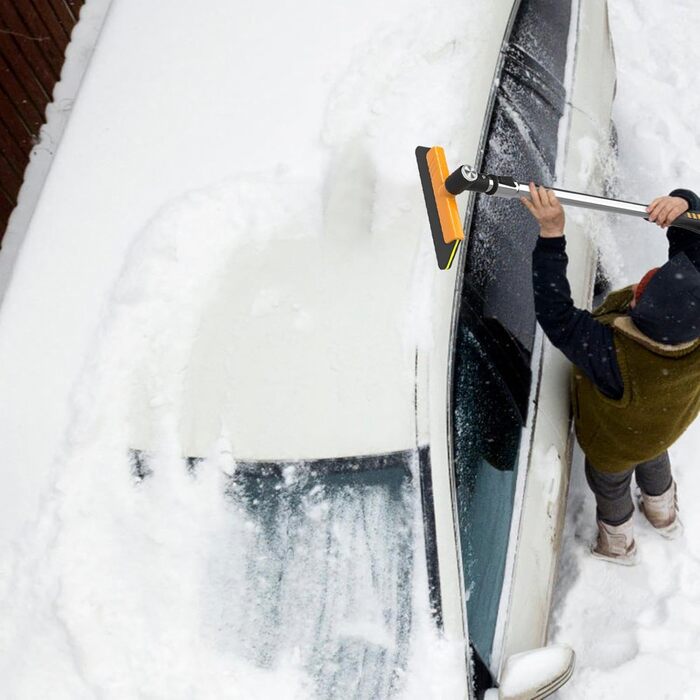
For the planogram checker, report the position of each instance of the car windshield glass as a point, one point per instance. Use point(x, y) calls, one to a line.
point(323, 570)
point(522, 143)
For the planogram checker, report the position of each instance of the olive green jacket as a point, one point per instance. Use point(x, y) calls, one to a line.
point(661, 395)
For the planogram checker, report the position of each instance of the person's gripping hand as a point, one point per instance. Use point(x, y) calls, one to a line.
point(545, 207)
point(663, 211)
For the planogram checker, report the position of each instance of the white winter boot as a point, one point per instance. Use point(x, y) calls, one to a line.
point(662, 512)
point(616, 543)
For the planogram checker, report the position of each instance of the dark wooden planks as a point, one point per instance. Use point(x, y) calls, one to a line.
point(33, 39)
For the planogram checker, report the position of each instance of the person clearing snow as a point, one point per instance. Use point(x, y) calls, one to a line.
point(636, 379)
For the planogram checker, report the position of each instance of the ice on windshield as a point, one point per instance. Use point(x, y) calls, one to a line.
point(322, 574)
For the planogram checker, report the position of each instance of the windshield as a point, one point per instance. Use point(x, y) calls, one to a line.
point(322, 572)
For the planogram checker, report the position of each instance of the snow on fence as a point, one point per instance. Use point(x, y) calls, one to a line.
point(33, 39)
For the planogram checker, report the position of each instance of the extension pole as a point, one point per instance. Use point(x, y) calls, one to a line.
point(467, 179)
point(440, 189)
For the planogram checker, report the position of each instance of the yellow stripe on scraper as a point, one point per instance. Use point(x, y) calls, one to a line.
point(452, 255)
point(448, 212)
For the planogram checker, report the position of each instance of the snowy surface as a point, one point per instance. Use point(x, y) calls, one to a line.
point(216, 130)
point(636, 631)
point(116, 589)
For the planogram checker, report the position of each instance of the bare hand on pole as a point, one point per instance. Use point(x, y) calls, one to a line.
point(664, 210)
point(545, 207)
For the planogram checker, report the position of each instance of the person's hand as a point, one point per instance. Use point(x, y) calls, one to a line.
point(663, 211)
point(545, 207)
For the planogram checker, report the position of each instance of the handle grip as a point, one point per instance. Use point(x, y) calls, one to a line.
point(690, 221)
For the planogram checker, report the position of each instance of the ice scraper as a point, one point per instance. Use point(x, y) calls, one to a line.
point(440, 188)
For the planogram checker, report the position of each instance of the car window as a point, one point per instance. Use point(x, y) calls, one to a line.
point(496, 325)
point(320, 566)
point(522, 143)
point(334, 538)
point(487, 428)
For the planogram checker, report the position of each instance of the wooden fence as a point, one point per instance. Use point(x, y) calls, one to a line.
point(33, 39)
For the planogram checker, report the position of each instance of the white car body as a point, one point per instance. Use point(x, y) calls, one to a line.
point(358, 345)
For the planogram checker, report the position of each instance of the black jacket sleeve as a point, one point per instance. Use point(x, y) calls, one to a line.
point(680, 240)
point(586, 342)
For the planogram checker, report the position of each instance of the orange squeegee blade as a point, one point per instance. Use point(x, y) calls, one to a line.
point(448, 212)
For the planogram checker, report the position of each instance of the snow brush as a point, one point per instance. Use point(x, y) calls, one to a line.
point(440, 188)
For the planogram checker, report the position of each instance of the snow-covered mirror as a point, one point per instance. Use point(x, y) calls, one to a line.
point(534, 674)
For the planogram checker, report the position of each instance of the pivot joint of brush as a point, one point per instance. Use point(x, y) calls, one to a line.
point(467, 179)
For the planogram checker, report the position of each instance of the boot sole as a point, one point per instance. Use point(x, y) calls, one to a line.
point(627, 560)
point(672, 531)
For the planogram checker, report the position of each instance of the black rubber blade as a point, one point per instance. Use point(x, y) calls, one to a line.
point(444, 251)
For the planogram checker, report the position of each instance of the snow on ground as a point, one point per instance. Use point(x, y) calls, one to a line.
point(636, 631)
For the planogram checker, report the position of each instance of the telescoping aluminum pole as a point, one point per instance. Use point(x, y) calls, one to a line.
point(467, 179)
point(440, 189)
point(509, 188)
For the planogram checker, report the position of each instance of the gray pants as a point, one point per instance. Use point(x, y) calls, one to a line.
point(612, 491)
